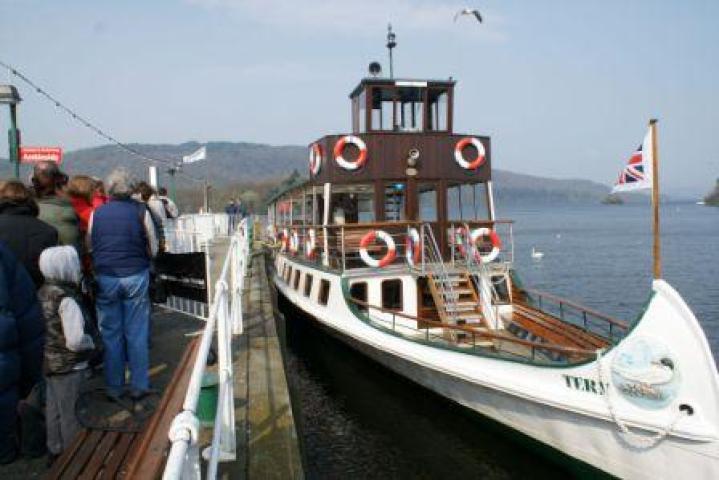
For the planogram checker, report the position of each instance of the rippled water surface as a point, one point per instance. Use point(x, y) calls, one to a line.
point(358, 420)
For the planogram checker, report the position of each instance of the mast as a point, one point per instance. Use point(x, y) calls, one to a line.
point(656, 250)
point(391, 43)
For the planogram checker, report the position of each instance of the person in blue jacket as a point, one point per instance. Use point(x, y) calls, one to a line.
point(22, 338)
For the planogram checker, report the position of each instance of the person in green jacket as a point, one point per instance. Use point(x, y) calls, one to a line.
point(55, 208)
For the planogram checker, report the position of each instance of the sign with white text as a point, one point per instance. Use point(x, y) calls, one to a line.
point(40, 154)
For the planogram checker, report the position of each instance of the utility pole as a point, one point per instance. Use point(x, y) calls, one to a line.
point(10, 96)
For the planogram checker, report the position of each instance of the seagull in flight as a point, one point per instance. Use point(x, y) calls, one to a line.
point(468, 11)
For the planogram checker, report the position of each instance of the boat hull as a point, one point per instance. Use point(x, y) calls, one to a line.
point(588, 439)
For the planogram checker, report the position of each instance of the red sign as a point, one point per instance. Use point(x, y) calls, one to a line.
point(40, 154)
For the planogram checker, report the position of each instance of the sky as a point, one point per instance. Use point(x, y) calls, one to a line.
point(564, 88)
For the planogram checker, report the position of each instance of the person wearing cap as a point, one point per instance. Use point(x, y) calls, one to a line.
point(55, 208)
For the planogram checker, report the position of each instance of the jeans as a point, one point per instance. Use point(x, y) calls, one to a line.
point(60, 420)
point(123, 311)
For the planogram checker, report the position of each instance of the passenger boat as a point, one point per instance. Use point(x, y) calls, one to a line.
point(393, 246)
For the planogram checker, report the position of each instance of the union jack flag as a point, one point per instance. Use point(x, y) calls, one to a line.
point(637, 174)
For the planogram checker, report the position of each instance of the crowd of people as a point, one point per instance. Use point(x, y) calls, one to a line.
point(75, 265)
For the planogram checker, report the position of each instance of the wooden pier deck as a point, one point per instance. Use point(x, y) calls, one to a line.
point(267, 442)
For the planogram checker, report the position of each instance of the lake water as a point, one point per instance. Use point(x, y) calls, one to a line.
point(358, 420)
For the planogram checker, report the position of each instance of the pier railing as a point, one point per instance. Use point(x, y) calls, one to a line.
point(224, 320)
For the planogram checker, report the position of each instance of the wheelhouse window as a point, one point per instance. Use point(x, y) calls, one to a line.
point(438, 109)
point(383, 108)
point(392, 294)
point(395, 200)
point(410, 109)
point(362, 111)
point(358, 291)
point(353, 204)
point(467, 202)
point(324, 295)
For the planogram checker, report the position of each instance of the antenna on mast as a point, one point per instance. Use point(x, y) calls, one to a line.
point(391, 43)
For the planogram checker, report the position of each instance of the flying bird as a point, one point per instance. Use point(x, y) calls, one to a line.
point(468, 11)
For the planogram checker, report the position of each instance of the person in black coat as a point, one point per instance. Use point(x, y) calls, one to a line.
point(21, 231)
point(22, 341)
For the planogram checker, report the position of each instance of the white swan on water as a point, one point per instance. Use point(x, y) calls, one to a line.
point(536, 254)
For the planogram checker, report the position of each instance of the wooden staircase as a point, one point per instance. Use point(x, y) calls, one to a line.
point(457, 302)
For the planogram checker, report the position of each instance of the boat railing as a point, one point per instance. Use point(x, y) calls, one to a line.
point(576, 314)
point(458, 232)
point(433, 264)
point(224, 320)
point(474, 340)
point(337, 247)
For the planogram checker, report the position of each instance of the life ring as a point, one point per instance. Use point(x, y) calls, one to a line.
point(339, 150)
point(459, 240)
point(284, 239)
point(459, 156)
point(477, 234)
point(315, 158)
point(310, 244)
point(368, 239)
point(413, 249)
point(294, 242)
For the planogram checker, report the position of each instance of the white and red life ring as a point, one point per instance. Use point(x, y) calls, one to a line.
point(369, 239)
point(310, 244)
point(339, 150)
point(476, 237)
point(315, 158)
point(294, 242)
point(284, 239)
point(413, 248)
point(459, 156)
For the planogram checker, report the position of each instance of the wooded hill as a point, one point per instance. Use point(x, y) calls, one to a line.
point(232, 168)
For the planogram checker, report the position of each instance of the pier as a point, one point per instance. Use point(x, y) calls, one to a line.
point(117, 443)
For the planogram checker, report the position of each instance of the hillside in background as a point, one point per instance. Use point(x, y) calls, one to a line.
point(713, 197)
point(231, 164)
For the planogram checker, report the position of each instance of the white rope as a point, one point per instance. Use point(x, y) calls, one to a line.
point(185, 427)
point(634, 439)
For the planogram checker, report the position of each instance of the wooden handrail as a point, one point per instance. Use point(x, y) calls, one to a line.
point(403, 223)
point(564, 301)
point(486, 334)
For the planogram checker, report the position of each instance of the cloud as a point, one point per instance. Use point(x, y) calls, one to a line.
point(355, 17)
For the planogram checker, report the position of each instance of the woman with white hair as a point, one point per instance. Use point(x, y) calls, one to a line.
point(122, 242)
point(67, 346)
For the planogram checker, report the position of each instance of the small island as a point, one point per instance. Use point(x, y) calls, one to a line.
point(713, 197)
point(612, 199)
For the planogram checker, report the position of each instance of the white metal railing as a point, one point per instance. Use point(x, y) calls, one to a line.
point(225, 318)
point(180, 240)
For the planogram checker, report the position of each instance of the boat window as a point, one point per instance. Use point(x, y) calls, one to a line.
point(297, 211)
point(427, 202)
point(394, 202)
point(438, 100)
point(296, 280)
point(410, 111)
point(358, 291)
point(289, 275)
point(308, 285)
point(392, 294)
point(353, 204)
point(362, 109)
point(308, 217)
point(467, 202)
point(383, 108)
point(324, 296)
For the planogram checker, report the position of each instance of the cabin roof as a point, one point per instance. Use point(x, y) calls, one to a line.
point(400, 82)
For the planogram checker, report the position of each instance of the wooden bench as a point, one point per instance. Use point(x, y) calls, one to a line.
point(100, 454)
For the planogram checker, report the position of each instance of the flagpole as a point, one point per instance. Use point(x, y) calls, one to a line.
point(655, 201)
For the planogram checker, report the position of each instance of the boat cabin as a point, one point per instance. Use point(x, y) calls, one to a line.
point(401, 164)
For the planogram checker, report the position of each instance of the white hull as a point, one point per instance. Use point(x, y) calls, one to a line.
point(559, 406)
